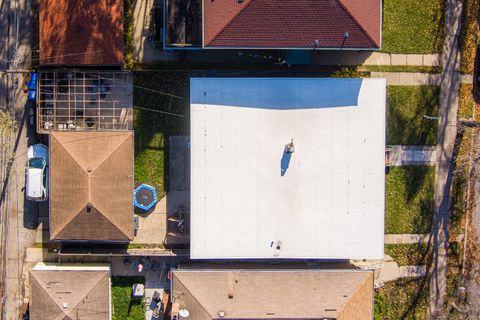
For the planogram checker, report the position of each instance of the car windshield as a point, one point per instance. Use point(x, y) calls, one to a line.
point(36, 163)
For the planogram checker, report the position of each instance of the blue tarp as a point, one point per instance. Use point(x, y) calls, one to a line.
point(32, 95)
point(32, 83)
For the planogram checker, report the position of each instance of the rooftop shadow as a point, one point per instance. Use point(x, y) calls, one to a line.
point(276, 93)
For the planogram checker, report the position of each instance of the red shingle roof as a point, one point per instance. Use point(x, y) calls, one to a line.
point(292, 23)
point(86, 32)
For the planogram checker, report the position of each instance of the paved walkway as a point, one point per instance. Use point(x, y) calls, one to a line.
point(390, 271)
point(407, 78)
point(406, 238)
point(395, 59)
point(466, 78)
point(374, 58)
point(412, 155)
point(447, 130)
point(412, 271)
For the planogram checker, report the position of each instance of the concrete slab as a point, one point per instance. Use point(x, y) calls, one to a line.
point(412, 155)
point(378, 58)
point(152, 229)
point(406, 238)
point(398, 59)
point(407, 78)
point(364, 56)
point(390, 270)
point(466, 78)
point(431, 60)
point(412, 271)
point(414, 59)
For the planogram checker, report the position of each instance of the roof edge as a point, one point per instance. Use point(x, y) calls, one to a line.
point(186, 287)
point(354, 19)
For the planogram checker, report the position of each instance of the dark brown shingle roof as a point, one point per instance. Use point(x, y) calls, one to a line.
point(81, 32)
point(91, 186)
point(69, 294)
point(292, 23)
point(247, 294)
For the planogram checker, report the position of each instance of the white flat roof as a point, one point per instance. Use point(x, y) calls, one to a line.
point(248, 197)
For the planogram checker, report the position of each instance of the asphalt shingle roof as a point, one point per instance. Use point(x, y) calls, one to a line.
point(292, 23)
point(91, 186)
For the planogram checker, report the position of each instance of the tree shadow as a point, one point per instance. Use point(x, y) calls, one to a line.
point(405, 122)
point(165, 108)
point(422, 283)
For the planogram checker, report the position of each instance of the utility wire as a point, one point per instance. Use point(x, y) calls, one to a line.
point(61, 55)
point(124, 82)
point(159, 111)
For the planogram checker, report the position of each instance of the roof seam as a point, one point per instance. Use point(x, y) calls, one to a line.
point(356, 22)
point(194, 297)
point(53, 236)
point(51, 297)
point(113, 224)
point(356, 291)
point(127, 137)
point(90, 290)
point(108, 156)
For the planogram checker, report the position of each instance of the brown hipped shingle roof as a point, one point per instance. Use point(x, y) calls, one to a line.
point(91, 186)
point(275, 294)
point(81, 32)
point(292, 23)
point(69, 294)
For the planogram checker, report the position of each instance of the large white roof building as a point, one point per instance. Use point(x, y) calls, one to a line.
point(251, 199)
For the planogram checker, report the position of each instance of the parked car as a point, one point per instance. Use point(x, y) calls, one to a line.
point(36, 180)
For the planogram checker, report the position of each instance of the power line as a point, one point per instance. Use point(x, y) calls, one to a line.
point(159, 111)
point(61, 55)
point(134, 85)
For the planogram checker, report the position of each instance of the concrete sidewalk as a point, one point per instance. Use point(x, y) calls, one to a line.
point(447, 132)
point(466, 78)
point(406, 238)
point(350, 58)
point(412, 155)
point(408, 78)
point(391, 271)
point(397, 59)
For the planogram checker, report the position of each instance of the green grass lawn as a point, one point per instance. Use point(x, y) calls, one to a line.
point(409, 199)
point(165, 115)
point(405, 298)
point(406, 106)
point(123, 307)
point(414, 254)
point(412, 26)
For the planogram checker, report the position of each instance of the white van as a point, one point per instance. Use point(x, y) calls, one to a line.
point(36, 180)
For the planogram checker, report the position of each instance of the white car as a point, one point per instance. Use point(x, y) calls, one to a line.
point(36, 180)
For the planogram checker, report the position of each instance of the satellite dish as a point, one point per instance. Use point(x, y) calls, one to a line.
point(183, 313)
